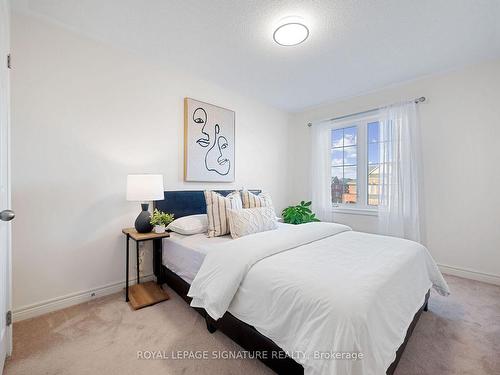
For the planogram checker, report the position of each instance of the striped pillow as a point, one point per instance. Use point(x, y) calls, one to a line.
point(217, 206)
point(250, 200)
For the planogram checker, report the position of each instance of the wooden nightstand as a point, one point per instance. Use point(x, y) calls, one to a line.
point(149, 293)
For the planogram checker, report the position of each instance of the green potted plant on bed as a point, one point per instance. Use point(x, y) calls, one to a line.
point(160, 220)
point(299, 214)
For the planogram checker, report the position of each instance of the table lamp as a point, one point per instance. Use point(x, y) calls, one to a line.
point(144, 188)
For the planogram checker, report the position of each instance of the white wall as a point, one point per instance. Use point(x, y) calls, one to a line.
point(461, 155)
point(85, 115)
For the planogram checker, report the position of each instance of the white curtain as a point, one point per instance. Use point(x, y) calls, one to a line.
point(399, 204)
point(321, 174)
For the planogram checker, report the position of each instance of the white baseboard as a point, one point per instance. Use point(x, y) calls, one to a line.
point(470, 274)
point(59, 303)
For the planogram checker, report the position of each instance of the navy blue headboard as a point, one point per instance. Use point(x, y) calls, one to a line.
point(187, 202)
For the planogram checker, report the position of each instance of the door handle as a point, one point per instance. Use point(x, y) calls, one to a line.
point(7, 215)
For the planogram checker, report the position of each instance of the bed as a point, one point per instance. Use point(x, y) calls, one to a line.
point(186, 259)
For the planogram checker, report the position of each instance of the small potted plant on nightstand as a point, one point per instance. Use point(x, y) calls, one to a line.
point(160, 220)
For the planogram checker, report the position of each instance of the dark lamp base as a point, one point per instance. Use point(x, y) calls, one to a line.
point(142, 224)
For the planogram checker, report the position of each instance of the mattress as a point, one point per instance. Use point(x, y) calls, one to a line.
point(185, 254)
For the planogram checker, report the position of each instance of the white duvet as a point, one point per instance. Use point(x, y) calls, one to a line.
point(317, 289)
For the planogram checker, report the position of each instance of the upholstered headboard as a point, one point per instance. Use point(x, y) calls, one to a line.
point(187, 202)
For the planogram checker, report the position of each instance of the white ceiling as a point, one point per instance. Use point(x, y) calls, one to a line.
point(354, 46)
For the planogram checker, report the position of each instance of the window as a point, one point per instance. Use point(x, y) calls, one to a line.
point(355, 163)
point(373, 163)
point(344, 165)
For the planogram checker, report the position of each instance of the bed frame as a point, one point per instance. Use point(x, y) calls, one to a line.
point(187, 202)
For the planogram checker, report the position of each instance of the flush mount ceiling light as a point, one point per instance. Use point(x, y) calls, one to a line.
point(291, 33)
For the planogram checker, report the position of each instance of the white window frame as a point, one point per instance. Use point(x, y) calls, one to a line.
point(361, 206)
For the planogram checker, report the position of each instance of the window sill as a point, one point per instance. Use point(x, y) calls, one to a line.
point(355, 211)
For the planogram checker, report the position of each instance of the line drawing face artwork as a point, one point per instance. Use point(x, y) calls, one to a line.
point(209, 142)
point(216, 159)
point(200, 117)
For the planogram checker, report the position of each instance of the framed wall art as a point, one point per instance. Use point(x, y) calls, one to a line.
point(209, 139)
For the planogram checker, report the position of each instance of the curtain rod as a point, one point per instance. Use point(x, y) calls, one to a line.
point(416, 101)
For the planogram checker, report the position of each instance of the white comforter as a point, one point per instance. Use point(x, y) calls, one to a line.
point(320, 288)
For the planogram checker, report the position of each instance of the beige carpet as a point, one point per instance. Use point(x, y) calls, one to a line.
point(459, 335)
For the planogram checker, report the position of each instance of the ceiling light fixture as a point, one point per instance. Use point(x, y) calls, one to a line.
point(291, 34)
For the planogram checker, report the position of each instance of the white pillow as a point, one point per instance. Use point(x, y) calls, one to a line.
point(251, 220)
point(187, 225)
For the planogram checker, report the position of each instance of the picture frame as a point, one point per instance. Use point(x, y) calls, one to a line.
point(209, 142)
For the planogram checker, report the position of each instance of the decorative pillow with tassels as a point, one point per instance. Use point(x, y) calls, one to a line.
point(251, 220)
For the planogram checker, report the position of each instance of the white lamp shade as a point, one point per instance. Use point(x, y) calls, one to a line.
point(144, 187)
